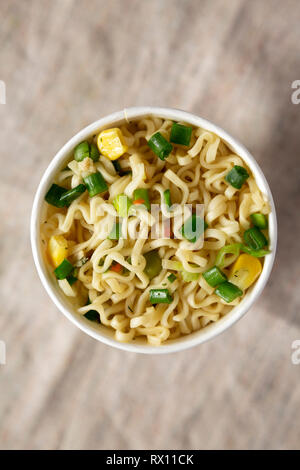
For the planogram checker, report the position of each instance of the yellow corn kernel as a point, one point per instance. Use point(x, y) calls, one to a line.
point(111, 143)
point(245, 271)
point(57, 249)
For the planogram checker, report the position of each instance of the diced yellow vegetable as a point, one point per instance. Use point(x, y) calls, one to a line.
point(57, 249)
point(245, 271)
point(111, 143)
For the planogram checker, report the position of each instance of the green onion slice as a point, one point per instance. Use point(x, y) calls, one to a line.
point(255, 239)
point(64, 269)
point(92, 315)
point(84, 150)
point(160, 296)
point(214, 276)
point(94, 152)
point(160, 146)
point(122, 204)
point(233, 249)
point(116, 231)
point(171, 278)
point(237, 176)
point(71, 279)
point(142, 195)
point(228, 291)
point(153, 264)
point(167, 198)
point(180, 134)
point(95, 184)
point(189, 277)
point(193, 228)
point(259, 220)
point(255, 253)
point(54, 194)
point(70, 196)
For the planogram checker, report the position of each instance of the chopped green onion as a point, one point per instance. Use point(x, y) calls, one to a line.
point(71, 279)
point(92, 315)
point(193, 228)
point(122, 204)
point(160, 146)
point(54, 194)
point(153, 264)
point(171, 278)
point(84, 150)
point(167, 198)
point(180, 134)
point(237, 176)
point(214, 276)
point(70, 196)
point(63, 270)
point(115, 232)
point(189, 277)
point(94, 152)
point(254, 238)
point(95, 184)
point(142, 195)
point(160, 296)
point(233, 249)
point(259, 220)
point(228, 291)
point(255, 253)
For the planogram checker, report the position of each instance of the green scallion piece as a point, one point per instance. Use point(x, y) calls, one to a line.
point(95, 184)
point(71, 279)
point(237, 176)
point(92, 315)
point(259, 220)
point(141, 196)
point(115, 232)
point(255, 253)
point(84, 150)
point(188, 276)
point(63, 270)
point(193, 228)
point(214, 276)
point(70, 196)
point(181, 134)
point(167, 198)
point(160, 146)
point(94, 152)
point(122, 204)
point(160, 296)
point(228, 291)
point(153, 264)
point(255, 239)
point(171, 278)
point(232, 249)
point(54, 194)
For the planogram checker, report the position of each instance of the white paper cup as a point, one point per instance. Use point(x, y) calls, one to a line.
point(102, 333)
